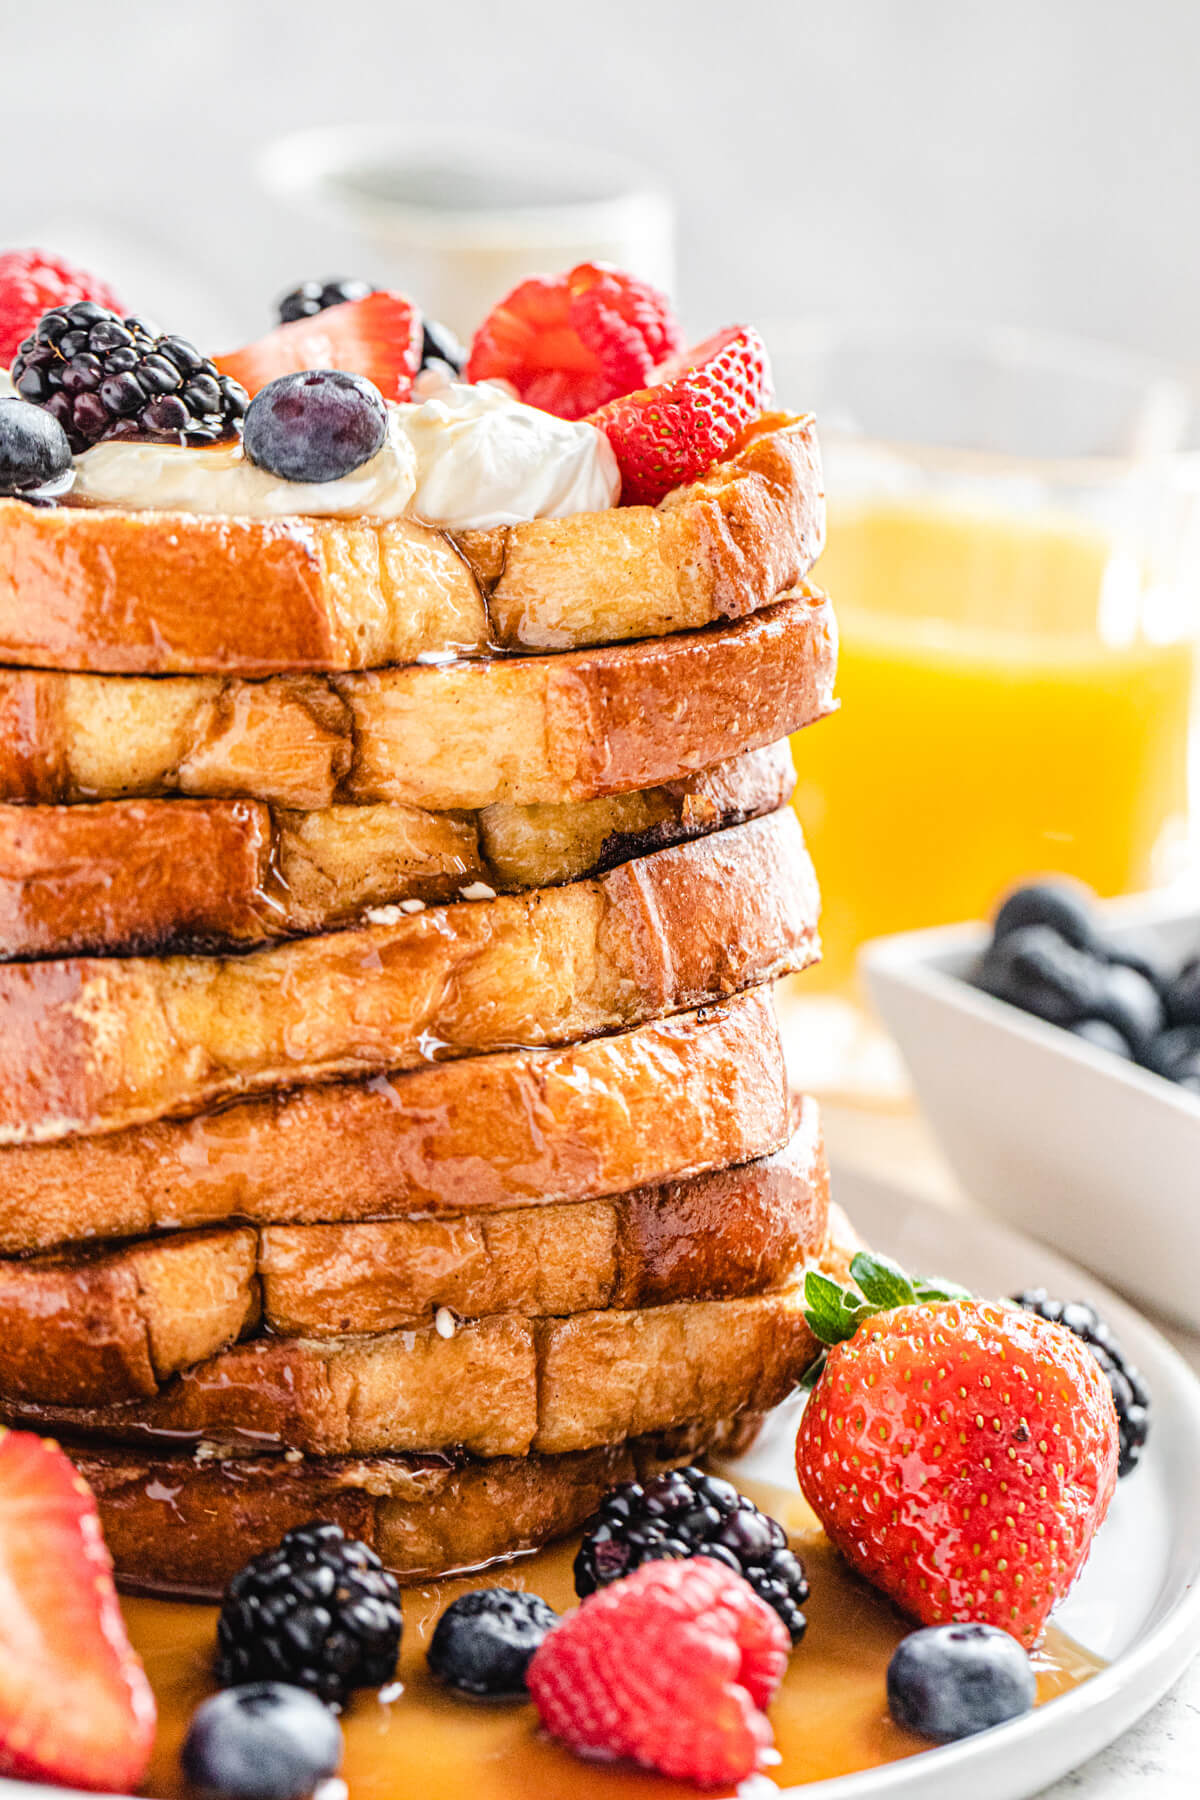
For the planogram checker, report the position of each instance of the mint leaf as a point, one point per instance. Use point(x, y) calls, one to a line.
point(833, 1313)
point(939, 1289)
point(882, 1281)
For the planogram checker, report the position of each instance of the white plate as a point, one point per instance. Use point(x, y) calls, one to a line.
point(1138, 1601)
point(1063, 1140)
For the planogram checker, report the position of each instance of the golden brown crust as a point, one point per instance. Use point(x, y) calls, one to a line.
point(148, 593)
point(517, 1128)
point(524, 730)
point(92, 1045)
point(184, 1525)
point(143, 876)
point(117, 1323)
point(499, 1386)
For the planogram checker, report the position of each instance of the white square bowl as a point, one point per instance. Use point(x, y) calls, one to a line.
point(1072, 1144)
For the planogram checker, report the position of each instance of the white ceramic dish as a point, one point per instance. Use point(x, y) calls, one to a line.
point(1070, 1143)
point(1138, 1602)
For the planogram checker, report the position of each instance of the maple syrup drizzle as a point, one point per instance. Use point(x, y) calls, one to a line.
point(830, 1716)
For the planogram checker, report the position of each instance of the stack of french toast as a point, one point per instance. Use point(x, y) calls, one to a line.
point(394, 1125)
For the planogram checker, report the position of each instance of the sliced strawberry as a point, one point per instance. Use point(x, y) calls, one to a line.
point(378, 337)
point(699, 406)
point(75, 1705)
point(569, 343)
point(31, 282)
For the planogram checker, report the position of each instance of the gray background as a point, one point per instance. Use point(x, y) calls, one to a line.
point(1029, 163)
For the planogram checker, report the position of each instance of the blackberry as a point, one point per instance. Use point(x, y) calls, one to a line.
point(103, 377)
point(318, 1612)
point(312, 297)
point(1129, 1393)
point(485, 1640)
point(688, 1513)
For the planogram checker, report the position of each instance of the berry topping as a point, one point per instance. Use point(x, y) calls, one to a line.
point(701, 404)
point(378, 337)
point(1176, 1055)
point(670, 1668)
point(1062, 905)
point(35, 457)
point(261, 1742)
point(1036, 968)
point(316, 426)
point(439, 345)
point(569, 343)
point(1128, 1389)
point(33, 281)
point(319, 1611)
point(950, 1681)
point(312, 297)
point(960, 1454)
point(75, 1705)
point(105, 377)
point(688, 1513)
point(484, 1640)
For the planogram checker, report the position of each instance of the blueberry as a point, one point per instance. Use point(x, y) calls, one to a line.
point(315, 426)
point(1063, 905)
point(1183, 995)
point(264, 1741)
point(950, 1681)
point(1176, 1055)
point(1103, 1035)
point(35, 457)
point(485, 1640)
point(1036, 969)
point(1132, 1005)
point(1144, 956)
point(439, 344)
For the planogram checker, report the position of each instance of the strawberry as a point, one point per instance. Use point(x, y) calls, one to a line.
point(700, 404)
point(75, 1705)
point(31, 282)
point(379, 337)
point(568, 343)
point(670, 1668)
point(960, 1453)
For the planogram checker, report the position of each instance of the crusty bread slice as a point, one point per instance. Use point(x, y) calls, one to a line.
point(527, 730)
point(145, 593)
point(184, 1524)
point(90, 1045)
point(516, 1128)
point(498, 1386)
point(117, 1323)
point(143, 876)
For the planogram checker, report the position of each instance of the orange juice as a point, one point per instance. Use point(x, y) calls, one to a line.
point(1001, 715)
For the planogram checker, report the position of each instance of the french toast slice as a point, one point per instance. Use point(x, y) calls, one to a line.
point(185, 1524)
point(92, 1045)
point(516, 1128)
point(146, 593)
point(503, 1385)
point(145, 876)
point(527, 730)
point(117, 1323)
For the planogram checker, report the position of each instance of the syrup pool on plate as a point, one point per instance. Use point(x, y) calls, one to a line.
point(830, 1716)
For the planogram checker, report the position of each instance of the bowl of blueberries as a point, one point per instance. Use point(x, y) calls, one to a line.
point(1056, 1056)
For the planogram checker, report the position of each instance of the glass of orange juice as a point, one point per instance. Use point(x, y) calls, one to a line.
point(1011, 563)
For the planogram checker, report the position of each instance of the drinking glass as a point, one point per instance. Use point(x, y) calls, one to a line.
point(1013, 562)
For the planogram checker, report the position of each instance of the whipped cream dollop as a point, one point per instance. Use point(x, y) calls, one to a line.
point(486, 459)
point(468, 457)
point(221, 479)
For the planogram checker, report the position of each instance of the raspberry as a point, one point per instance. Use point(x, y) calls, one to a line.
point(570, 343)
point(670, 1668)
point(31, 282)
point(701, 404)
